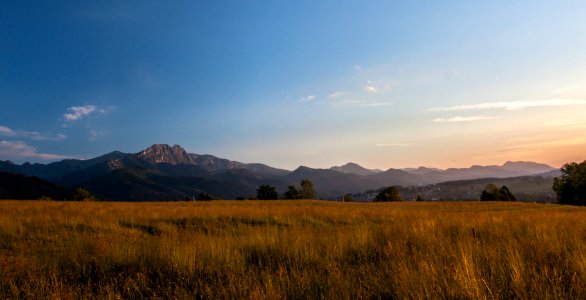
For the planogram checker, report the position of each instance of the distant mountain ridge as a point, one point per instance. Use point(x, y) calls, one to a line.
point(421, 170)
point(169, 172)
point(354, 168)
point(424, 175)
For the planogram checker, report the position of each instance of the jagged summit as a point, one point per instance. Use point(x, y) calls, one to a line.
point(163, 153)
point(176, 155)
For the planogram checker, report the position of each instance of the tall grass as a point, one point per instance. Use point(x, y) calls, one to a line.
point(292, 249)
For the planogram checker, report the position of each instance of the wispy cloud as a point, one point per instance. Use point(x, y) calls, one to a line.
point(307, 98)
point(566, 89)
point(393, 145)
point(16, 150)
point(572, 91)
point(46, 137)
point(565, 123)
point(33, 135)
point(357, 68)
point(75, 113)
point(338, 94)
point(357, 103)
point(5, 131)
point(512, 105)
point(552, 143)
point(375, 104)
point(97, 135)
point(378, 86)
point(464, 119)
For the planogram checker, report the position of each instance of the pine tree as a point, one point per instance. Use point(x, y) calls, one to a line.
point(291, 193)
point(307, 191)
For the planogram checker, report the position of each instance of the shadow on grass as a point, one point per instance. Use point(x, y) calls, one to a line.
point(148, 229)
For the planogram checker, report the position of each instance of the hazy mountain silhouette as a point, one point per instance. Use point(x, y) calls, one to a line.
point(398, 177)
point(421, 170)
point(353, 168)
point(329, 183)
point(170, 172)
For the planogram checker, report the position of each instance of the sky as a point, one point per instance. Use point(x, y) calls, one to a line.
point(386, 84)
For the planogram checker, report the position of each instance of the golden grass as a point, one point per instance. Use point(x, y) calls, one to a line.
point(291, 249)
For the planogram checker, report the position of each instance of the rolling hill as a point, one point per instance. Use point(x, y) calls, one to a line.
point(16, 186)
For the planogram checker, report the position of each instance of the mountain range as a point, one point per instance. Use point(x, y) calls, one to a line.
point(169, 172)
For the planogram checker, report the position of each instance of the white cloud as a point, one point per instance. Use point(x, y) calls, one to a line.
point(512, 105)
point(6, 131)
point(78, 112)
point(378, 86)
point(370, 89)
point(307, 98)
point(16, 150)
point(357, 68)
point(464, 119)
point(337, 94)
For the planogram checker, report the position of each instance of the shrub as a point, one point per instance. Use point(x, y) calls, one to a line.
point(388, 194)
point(347, 198)
point(204, 197)
point(492, 193)
point(81, 194)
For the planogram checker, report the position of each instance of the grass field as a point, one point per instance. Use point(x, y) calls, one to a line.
point(292, 249)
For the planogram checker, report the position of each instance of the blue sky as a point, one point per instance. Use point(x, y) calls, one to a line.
point(288, 83)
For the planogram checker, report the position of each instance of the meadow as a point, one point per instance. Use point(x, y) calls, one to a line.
point(292, 250)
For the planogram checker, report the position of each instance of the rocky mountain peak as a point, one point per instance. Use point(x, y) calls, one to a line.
point(178, 148)
point(163, 153)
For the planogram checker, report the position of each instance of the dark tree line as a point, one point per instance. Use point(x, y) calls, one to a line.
point(306, 191)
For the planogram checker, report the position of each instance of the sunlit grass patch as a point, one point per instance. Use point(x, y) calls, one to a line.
point(292, 249)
